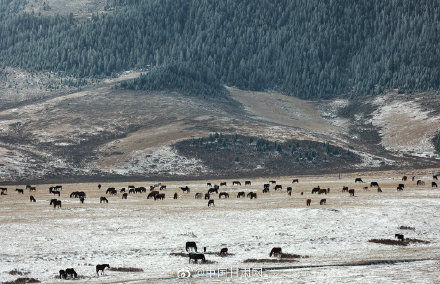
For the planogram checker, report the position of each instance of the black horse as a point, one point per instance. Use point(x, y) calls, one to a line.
point(196, 256)
point(212, 190)
point(374, 183)
point(71, 272)
point(191, 245)
point(32, 199)
point(103, 199)
point(247, 182)
point(400, 237)
point(101, 267)
point(358, 180)
point(315, 190)
point(241, 194)
point(185, 189)
point(252, 195)
point(276, 251)
point(19, 190)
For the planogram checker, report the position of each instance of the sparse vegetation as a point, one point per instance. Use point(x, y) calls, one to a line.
point(126, 269)
point(22, 280)
point(397, 242)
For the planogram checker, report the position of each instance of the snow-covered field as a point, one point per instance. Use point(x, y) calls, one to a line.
point(40, 240)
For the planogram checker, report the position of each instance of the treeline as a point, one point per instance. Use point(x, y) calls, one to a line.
point(311, 49)
point(183, 77)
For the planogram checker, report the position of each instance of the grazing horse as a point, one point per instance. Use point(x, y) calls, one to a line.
point(124, 196)
point(196, 256)
point(63, 274)
point(207, 196)
point(278, 186)
point(191, 245)
point(223, 251)
point(400, 237)
point(435, 177)
point(19, 190)
point(289, 191)
point(223, 183)
point(272, 181)
point(110, 189)
point(52, 201)
point(198, 195)
point(152, 194)
point(99, 186)
point(151, 188)
point(71, 272)
point(351, 191)
point(252, 195)
point(81, 200)
point(32, 188)
point(316, 189)
point(162, 187)
point(159, 196)
point(236, 182)
point(374, 183)
point(101, 267)
point(404, 178)
point(420, 182)
point(209, 184)
point(323, 201)
point(211, 202)
point(103, 199)
point(225, 194)
point(275, 251)
point(4, 190)
point(57, 203)
point(131, 190)
point(266, 185)
point(401, 185)
point(265, 190)
point(379, 189)
point(308, 202)
point(32, 199)
point(399, 188)
point(122, 190)
point(434, 184)
point(241, 194)
point(322, 190)
point(54, 192)
point(175, 195)
point(185, 189)
point(295, 180)
point(212, 190)
point(358, 180)
point(344, 188)
point(247, 182)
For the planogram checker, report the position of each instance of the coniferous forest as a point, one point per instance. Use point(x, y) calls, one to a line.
point(306, 48)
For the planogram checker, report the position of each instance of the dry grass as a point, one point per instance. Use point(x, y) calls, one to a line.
point(18, 272)
point(397, 242)
point(126, 269)
point(407, 228)
point(268, 260)
point(22, 280)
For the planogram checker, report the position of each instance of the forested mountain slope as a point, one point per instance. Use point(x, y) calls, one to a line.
point(309, 49)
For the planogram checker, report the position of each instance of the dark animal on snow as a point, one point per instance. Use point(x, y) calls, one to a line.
point(241, 194)
point(32, 188)
point(316, 189)
point(289, 191)
point(345, 188)
point(103, 199)
point(207, 196)
point(308, 202)
point(32, 199)
point(420, 182)
point(57, 203)
point(401, 185)
point(435, 177)
point(358, 180)
point(379, 189)
point(272, 181)
point(247, 182)
point(122, 190)
point(212, 190)
point(131, 190)
point(185, 189)
point(196, 256)
point(276, 251)
point(216, 186)
point(191, 245)
point(124, 196)
point(151, 188)
point(211, 202)
point(99, 186)
point(175, 195)
point(252, 195)
point(323, 201)
point(374, 183)
point(224, 251)
point(110, 189)
point(223, 183)
point(295, 180)
point(19, 190)
point(278, 186)
point(209, 184)
point(152, 194)
point(159, 196)
point(63, 274)
point(236, 182)
point(71, 272)
point(162, 187)
point(400, 237)
point(434, 184)
point(351, 191)
point(101, 267)
point(81, 200)
point(198, 195)
point(225, 194)
point(52, 201)
point(266, 185)
point(265, 190)
point(404, 178)
point(399, 188)
point(56, 192)
point(59, 187)
point(322, 190)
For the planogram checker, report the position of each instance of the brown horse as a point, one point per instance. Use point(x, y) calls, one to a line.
point(295, 180)
point(196, 256)
point(351, 191)
point(322, 190)
point(223, 183)
point(101, 267)
point(207, 196)
point(211, 202)
point(103, 199)
point(57, 203)
point(289, 191)
point(223, 252)
point(374, 183)
point(404, 178)
point(198, 195)
point(32, 199)
point(275, 251)
point(236, 182)
point(32, 188)
point(225, 194)
point(175, 195)
point(323, 201)
point(152, 194)
point(124, 196)
point(379, 189)
point(241, 194)
point(308, 202)
point(252, 195)
point(160, 196)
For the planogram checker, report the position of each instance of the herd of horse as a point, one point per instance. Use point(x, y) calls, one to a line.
point(156, 191)
point(71, 273)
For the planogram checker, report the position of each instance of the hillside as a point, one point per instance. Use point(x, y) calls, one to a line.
point(309, 49)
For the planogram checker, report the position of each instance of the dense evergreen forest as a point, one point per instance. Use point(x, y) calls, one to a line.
point(310, 49)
